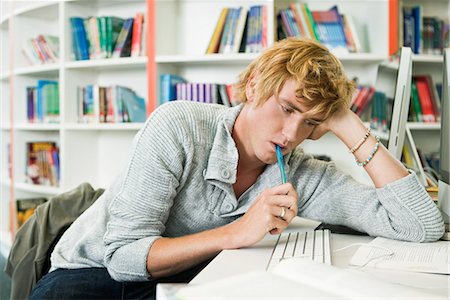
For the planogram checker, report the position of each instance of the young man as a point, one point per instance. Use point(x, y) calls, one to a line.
point(202, 178)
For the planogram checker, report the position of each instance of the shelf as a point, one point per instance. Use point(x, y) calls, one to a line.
point(239, 58)
point(105, 126)
point(108, 63)
point(39, 189)
point(37, 126)
point(362, 57)
point(207, 58)
point(428, 58)
point(42, 10)
point(423, 126)
point(46, 69)
point(4, 76)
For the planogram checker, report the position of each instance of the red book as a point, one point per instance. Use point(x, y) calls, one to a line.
point(136, 38)
point(425, 100)
point(366, 100)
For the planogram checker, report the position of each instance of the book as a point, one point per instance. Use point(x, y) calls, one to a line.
point(415, 103)
point(25, 208)
point(41, 167)
point(168, 90)
point(122, 47)
point(428, 114)
point(239, 32)
point(134, 106)
point(404, 256)
point(136, 38)
point(329, 27)
point(214, 43)
point(113, 28)
point(80, 43)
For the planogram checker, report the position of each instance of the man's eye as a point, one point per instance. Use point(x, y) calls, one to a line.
point(287, 109)
point(310, 123)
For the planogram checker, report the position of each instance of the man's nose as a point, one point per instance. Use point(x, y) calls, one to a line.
point(291, 129)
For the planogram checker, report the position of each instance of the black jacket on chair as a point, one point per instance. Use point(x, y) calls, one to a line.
point(29, 258)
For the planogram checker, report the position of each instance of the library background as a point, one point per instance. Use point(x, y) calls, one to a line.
point(78, 78)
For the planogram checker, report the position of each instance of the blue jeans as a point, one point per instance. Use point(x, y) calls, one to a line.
point(96, 283)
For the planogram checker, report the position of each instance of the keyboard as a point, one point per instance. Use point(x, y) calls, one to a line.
point(313, 245)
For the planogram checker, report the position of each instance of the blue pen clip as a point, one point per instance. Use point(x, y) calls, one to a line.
point(281, 164)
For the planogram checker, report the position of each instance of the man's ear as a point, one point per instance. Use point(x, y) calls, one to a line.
point(250, 89)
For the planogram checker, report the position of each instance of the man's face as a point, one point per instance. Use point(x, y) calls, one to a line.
point(279, 121)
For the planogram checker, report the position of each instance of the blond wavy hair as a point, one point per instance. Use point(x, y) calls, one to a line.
point(322, 84)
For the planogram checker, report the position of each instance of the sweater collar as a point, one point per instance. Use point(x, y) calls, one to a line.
point(223, 158)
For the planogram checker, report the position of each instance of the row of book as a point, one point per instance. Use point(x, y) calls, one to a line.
point(173, 87)
point(425, 35)
point(425, 100)
point(241, 29)
point(109, 104)
point(43, 102)
point(424, 105)
point(43, 49)
point(330, 27)
point(42, 165)
point(106, 36)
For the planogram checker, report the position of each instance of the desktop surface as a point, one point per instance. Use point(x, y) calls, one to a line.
point(234, 262)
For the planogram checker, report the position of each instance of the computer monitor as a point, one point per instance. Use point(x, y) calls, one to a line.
point(444, 165)
point(396, 84)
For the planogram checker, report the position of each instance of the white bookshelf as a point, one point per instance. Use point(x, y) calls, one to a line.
point(93, 153)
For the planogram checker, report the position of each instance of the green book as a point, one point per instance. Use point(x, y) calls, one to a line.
point(313, 23)
point(113, 28)
point(415, 102)
point(102, 29)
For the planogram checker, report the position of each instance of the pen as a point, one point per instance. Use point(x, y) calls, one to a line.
point(281, 164)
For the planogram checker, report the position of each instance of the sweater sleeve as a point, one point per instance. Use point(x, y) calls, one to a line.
point(139, 210)
point(400, 210)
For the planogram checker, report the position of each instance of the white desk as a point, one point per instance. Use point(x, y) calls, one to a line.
point(233, 262)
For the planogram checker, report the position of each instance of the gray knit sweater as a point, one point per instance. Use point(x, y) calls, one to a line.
point(179, 179)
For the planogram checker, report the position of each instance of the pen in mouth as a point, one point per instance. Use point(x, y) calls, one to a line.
point(281, 164)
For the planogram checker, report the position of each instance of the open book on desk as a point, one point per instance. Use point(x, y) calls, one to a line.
point(299, 278)
point(404, 256)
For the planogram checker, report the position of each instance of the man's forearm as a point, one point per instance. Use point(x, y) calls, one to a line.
point(169, 256)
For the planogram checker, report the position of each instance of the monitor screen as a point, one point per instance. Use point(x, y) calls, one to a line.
point(395, 83)
point(445, 120)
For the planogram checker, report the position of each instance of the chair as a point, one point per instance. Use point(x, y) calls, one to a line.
point(29, 258)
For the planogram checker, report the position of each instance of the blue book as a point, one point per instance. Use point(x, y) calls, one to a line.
point(134, 109)
point(329, 28)
point(417, 15)
point(41, 98)
point(80, 43)
point(168, 91)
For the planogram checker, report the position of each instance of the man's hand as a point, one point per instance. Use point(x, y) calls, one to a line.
point(264, 216)
point(331, 124)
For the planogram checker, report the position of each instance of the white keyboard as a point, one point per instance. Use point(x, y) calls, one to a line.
point(313, 245)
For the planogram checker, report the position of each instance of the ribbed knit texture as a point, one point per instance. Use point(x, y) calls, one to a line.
point(179, 179)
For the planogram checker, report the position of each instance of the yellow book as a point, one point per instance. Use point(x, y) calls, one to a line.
point(214, 43)
point(407, 156)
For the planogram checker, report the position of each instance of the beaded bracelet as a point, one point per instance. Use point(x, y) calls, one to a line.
point(369, 158)
point(356, 147)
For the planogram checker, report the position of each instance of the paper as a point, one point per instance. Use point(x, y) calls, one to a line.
point(414, 257)
point(299, 278)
